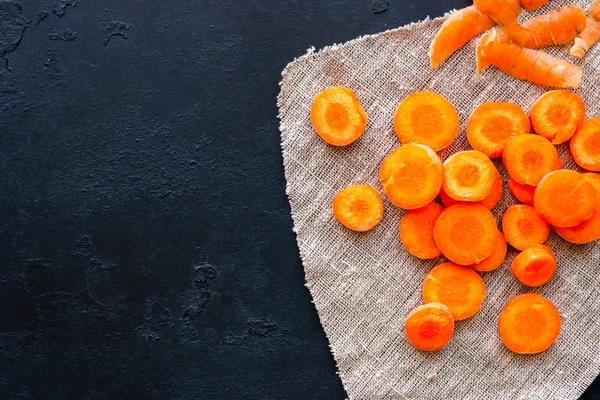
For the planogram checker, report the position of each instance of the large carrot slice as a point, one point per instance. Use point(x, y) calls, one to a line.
point(429, 327)
point(416, 231)
point(505, 13)
point(586, 39)
point(412, 176)
point(458, 287)
point(558, 27)
point(531, 5)
point(465, 233)
point(489, 202)
point(524, 227)
point(426, 118)
point(493, 124)
point(497, 258)
point(557, 115)
point(529, 324)
point(588, 231)
point(585, 145)
point(522, 193)
point(468, 176)
point(358, 207)
point(565, 199)
point(528, 158)
point(535, 266)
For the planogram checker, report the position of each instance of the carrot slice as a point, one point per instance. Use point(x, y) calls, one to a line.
point(458, 287)
point(416, 231)
point(557, 115)
point(505, 13)
point(528, 158)
point(586, 39)
point(468, 176)
point(429, 327)
point(585, 145)
point(426, 118)
point(493, 124)
point(412, 176)
point(489, 202)
point(522, 193)
point(531, 5)
point(594, 11)
point(557, 27)
point(497, 258)
point(529, 324)
point(337, 116)
point(588, 231)
point(465, 233)
point(565, 199)
point(535, 266)
point(358, 207)
point(524, 227)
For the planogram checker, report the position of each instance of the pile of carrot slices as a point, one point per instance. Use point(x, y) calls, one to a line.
point(512, 47)
point(448, 204)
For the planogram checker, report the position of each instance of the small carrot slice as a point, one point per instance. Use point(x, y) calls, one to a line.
point(458, 287)
point(468, 176)
point(426, 118)
point(490, 201)
point(531, 5)
point(557, 115)
point(522, 193)
point(416, 231)
point(358, 207)
point(535, 266)
point(465, 233)
point(529, 324)
point(565, 199)
point(337, 116)
point(411, 176)
point(588, 231)
point(493, 124)
point(585, 145)
point(429, 327)
point(524, 227)
point(497, 258)
point(528, 158)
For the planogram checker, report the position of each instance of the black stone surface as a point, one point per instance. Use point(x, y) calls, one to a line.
point(146, 244)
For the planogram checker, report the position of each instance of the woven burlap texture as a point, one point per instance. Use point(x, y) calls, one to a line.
point(365, 284)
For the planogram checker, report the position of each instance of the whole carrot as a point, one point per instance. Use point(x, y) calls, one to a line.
point(557, 27)
point(505, 13)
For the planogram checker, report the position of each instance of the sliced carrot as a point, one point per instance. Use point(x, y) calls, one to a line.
point(505, 13)
point(565, 199)
point(458, 287)
point(559, 26)
point(416, 231)
point(585, 145)
point(531, 5)
point(429, 327)
point(522, 193)
point(468, 176)
point(497, 258)
point(594, 11)
point(337, 116)
point(493, 124)
point(358, 207)
point(412, 176)
point(489, 202)
point(586, 39)
point(465, 233)
point(557, 115)
point(529, 324)
point(535, 266)
point(528, 158)
point(426, 118)
point(524, 227)
point(588, 231)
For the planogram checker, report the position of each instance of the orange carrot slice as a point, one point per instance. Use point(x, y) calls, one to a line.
point(558, 27)
point(416, 231)
point(411, 176)
point(524, 227)
point(594, 11)
point(588, 231)
point(493, 124)
point(429, 327)
point(586, 39)
point(585, 145)
point(489, 202)
point(535, 266)
point(358, 207)
point(531, 5)
point(497, 258)
point(465, 233)
point(337, 116)
point(557, 115)
point(505, 13)
point(522, 193)
point(468, 176)
point(529, 324)
point(426, 118)
point(458, 287)
point(528, 158)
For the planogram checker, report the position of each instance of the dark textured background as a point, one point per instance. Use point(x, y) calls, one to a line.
point(146, 244)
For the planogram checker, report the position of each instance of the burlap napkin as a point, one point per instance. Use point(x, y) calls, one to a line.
point(364, 285)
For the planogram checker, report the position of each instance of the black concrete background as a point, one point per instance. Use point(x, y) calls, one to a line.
point(146, 244)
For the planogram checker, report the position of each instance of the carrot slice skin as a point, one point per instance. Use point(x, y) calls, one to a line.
point(469, 176)
point(586, 39)
point(490, 201)
point(535, 266)
point(429, 327)
point(557, 115)
point(359, 207)
point(528, 158)
point(416, 231)
point(524, 227)
point(588, 231)
point(497, 258)
point(585, 145)
point(522, 193)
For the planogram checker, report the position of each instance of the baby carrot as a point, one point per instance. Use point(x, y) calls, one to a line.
point(416, 231)
point(535, 266)
point(528, 158)
point(524, 227)
point(497, 258)
point(522, 193)
point(358, 207)
point(429, 327)
point(585, 145)
point(557, 115)
point(586, 39)
point(505, 13)
point(558, 27)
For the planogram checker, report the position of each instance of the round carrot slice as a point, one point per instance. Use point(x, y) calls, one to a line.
point(497, 258)
point(565, 199)
point(358, 207)
point(535, 266)
point(585, 145)
point(528, 158)
point(493, 124)
point(522, 193)
point(588, 231)
point(529, 324)
point(557, 115)
point(411, 176)
point(490, 201)
point(456, 286)
point(429, 327)
point(426, 118)
point(524, 227)
point(469, 176)
point(465, 233)
point(337, 116)
point(416, 231)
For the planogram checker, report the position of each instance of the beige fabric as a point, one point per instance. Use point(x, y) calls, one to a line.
point(364, 285)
